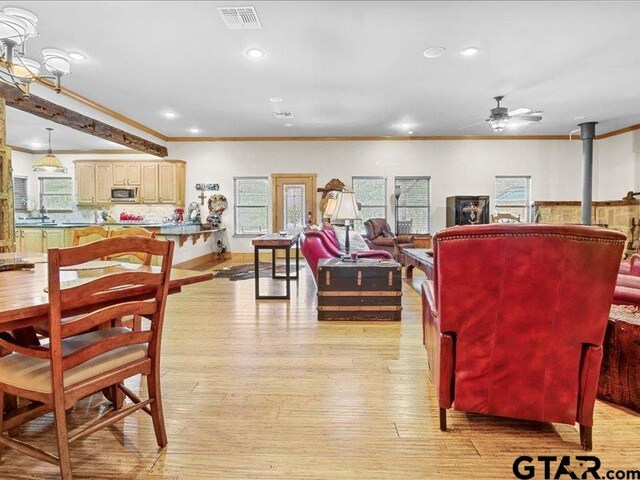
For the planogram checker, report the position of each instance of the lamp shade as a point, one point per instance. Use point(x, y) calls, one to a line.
point(49, 163)
point(346, 207)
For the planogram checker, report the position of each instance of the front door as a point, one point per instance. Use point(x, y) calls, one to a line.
point(294, 201)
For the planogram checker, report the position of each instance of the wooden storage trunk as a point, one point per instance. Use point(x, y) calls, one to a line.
point(364, 290)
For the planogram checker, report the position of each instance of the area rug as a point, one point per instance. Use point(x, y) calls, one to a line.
point(246, 271)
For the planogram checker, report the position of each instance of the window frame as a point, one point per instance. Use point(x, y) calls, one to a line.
point(42, 194)
point(362, 205)
point(526, 207)
point(236, 206)
point(26, 193)
point(427, 206)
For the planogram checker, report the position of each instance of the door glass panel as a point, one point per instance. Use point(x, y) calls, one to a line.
point(294, 212)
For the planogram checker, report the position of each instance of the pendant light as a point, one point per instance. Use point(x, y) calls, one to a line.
point(49, 163)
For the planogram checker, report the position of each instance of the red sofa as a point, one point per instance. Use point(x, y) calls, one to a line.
point(319, 244)
point(631, 266)
point(505, 337)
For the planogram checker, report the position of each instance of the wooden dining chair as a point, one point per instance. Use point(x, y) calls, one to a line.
point(136, 321)
point(88, 234)
point(134, 231)
point(78, 362)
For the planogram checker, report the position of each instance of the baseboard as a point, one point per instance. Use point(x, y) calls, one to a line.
point(248, 257)
point(209, 258)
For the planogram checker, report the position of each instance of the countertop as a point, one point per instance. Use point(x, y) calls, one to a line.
point(165, 228)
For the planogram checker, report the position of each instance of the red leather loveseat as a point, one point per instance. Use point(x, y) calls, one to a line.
point(323, 243)
point(506, 337)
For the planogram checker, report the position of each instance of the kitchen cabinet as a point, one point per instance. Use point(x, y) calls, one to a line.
point(103, 182)
point(167, 183)
point(39, 240)
point(126, 174)
point(53, 238)
point(85, 184)
point(161, 182)
point(149, 184)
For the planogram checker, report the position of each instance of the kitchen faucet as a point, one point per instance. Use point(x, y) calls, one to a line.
point(43, 212)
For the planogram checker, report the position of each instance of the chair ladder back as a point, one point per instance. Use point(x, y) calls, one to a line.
point(103, 287)
point(80, 233)
point(134, 231)
point(104, 345)
point(101, 316)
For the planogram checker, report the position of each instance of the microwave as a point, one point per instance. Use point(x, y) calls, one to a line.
point(124, 194)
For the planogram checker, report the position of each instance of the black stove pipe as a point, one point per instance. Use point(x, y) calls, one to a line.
point(587, 134)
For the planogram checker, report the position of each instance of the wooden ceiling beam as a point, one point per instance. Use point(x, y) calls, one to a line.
point(72, 119)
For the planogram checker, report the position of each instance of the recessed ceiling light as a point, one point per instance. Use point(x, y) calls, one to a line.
point(434, 52)
point(276, 99)
point(579, 118)
point(410, 132)
point(36, 145)
point(254, 53)
point(469, 51)
point(169, 114)
point(194, 130)
point(77, 56)
point(405, 125)
point(288, 125)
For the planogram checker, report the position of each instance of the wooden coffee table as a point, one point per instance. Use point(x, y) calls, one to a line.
point(363, 290)
point(620, 372)
point(418, 257)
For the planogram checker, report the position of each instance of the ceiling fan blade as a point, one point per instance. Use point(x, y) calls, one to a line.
point(525, 118)
point(519, 111)
point(473, 124)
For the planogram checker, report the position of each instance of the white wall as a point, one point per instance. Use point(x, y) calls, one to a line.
point(456, 167)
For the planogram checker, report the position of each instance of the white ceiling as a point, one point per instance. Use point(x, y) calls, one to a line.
point(352, 68)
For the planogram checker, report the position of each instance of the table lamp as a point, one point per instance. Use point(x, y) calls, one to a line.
point(346, 211)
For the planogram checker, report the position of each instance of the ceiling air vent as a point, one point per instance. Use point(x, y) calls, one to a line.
point(240, 17)
point(283, 114)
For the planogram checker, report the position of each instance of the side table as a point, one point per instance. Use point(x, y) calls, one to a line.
point(273, 242)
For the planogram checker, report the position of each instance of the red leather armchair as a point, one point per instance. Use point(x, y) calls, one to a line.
point(515, 318)
point(380, 237)
point(319, 244)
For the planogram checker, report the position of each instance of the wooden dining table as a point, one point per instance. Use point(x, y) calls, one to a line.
point(24, 301)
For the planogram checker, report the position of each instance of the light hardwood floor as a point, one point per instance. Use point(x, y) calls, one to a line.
point(270, 393)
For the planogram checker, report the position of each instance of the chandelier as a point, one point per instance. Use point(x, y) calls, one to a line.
point(17, 26)
point(49, 163)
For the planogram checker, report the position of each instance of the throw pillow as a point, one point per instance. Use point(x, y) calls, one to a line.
point(356, 242)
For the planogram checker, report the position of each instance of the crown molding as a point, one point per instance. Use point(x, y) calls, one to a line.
point(412, 138)
point(20, 149)
point(620, 131)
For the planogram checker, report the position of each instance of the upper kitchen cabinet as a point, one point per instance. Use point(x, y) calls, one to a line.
point(126, 173)
point(161, 182)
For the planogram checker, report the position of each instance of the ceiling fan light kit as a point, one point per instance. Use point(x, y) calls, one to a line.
point(17, 26)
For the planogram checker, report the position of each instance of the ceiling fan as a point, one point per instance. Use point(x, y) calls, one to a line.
point(501, 117)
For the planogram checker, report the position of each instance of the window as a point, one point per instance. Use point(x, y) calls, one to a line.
point(371, 193)
point(413, 213)
point(513, 195)
point(250, 214)
point(20, 197)
point(56, 193)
